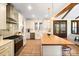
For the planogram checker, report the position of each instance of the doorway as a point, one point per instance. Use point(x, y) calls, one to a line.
point(60, 28)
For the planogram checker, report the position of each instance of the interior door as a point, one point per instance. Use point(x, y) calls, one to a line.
point(60, 28)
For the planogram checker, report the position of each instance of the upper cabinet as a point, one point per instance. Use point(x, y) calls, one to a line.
point(12, 13)
point(11, 18)
point(2, 16)
point(20, 22)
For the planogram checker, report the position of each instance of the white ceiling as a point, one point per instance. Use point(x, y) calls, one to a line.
point(57, 7)
point(71, 15)
point(39, 10)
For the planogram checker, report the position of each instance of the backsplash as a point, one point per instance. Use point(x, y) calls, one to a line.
point(6, 33)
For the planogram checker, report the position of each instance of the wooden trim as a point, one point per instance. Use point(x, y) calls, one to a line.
point(69, 7)
point(66, 14)
point(55, 44)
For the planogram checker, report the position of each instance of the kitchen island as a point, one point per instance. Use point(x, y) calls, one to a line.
point(52, 45)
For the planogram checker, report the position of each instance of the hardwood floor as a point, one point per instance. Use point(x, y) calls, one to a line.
point(32, 48)
point(74, 50)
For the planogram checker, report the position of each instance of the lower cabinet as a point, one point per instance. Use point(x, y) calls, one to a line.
point(51, 50)
point(5, 52)
point(7, 49)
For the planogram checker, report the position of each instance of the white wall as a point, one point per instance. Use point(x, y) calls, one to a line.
point(38, 33)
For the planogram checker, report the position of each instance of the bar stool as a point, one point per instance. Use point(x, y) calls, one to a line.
point(66, 51)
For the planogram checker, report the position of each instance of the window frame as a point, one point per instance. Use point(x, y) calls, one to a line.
point(77, 27)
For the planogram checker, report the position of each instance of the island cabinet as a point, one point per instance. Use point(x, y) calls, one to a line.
point(6, 48)
point(12, 13)
point(2, 16)
point(53, 45)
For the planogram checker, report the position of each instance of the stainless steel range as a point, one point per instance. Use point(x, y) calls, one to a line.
point(18, 42)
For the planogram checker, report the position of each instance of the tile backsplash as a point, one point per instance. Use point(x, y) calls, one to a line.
point(5, 33)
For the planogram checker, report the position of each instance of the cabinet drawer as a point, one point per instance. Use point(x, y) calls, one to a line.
point(5, 46)
point(5, 52)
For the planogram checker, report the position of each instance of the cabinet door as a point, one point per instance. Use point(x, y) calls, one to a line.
point(7, 49)
point(2, 16)
point(5, 52)
point(12, 12)
point(15, 14)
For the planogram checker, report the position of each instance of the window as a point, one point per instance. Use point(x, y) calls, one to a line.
point(60, 28)
point(75, 26)
point(36, 26)
point(40, 26)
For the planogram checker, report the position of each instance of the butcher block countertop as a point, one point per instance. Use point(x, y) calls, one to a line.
point(54, 40)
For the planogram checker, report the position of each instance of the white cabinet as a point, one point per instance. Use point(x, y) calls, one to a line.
point(52, 50)
point(2, 16)
point(38, 35)
point(7, 49)
point(20, 22)
point(27, 35)
point(12, 12)
point(5, 52)
point(24, 33)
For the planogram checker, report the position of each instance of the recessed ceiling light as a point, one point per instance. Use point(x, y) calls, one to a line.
point(33, 16)
point(46, 15)
point(29, 7)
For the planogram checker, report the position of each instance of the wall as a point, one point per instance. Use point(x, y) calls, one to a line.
point(70, 16)
point(30, 24)
point(69, 34)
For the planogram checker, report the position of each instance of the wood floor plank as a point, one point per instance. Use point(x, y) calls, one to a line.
point(32, 48)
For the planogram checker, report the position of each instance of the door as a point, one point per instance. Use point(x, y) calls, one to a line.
point(60, 28)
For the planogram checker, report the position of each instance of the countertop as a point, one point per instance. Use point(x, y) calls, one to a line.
point(54, 40)
point(3, 42)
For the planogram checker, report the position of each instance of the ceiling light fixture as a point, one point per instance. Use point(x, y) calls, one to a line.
point(46, 16)
point(33, 16)
point(29, 7)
